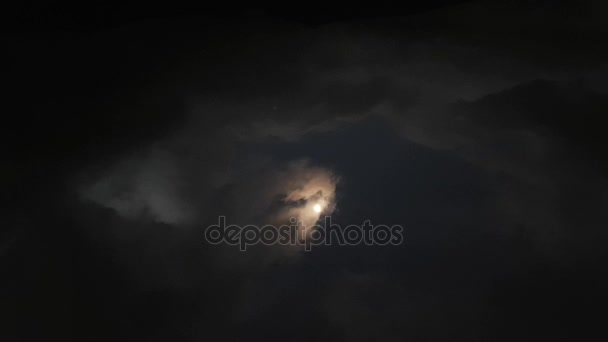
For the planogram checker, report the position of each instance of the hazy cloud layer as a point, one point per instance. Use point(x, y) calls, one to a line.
point(477, 126)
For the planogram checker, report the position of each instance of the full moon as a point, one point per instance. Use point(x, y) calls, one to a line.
point(317, 208)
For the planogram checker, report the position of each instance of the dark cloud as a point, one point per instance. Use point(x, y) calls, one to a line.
point(476, 126)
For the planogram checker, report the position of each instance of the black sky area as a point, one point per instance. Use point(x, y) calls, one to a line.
point(478, 126)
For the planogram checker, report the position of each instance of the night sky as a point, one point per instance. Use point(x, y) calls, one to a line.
point(128, 128)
